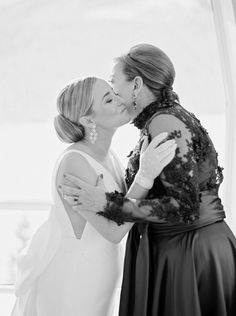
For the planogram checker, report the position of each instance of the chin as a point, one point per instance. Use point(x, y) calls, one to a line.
point(128, 116)
point(124, 121)
point(132, 113)
point(128, 120)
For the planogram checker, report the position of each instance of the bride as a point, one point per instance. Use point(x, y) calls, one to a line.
point(73, 264)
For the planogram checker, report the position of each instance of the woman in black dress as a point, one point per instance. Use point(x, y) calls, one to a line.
point(180, 254)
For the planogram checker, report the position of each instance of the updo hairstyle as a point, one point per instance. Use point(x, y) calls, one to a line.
point(154, 67)
point(73, 102)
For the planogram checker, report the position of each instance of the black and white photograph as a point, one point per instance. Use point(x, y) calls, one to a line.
point(118, 158)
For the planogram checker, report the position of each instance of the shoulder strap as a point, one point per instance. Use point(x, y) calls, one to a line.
point(90, 160)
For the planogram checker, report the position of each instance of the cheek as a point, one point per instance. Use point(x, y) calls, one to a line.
point(120, 87)
point(125, 92)
point(109, 112)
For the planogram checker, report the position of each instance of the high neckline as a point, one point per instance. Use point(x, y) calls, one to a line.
point(142, 118)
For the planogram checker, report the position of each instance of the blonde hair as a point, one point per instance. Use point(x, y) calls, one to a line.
point(155, 68)
point(73, 102)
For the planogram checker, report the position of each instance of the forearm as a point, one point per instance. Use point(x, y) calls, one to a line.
point(136, 192)
point(108, 229)
point(180, 207)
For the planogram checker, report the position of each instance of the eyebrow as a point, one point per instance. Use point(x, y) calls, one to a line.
point(106, 95)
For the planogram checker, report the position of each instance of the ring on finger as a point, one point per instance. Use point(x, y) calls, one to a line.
point(76, 200)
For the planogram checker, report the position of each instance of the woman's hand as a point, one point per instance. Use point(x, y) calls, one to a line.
point(83, 196)
point(153, 159)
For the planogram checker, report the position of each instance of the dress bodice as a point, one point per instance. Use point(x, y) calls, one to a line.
point(193, 174)
point(112, 182)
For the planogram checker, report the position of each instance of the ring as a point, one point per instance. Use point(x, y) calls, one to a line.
point(76, 200)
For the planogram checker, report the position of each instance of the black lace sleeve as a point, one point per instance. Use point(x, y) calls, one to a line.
point(179, 199)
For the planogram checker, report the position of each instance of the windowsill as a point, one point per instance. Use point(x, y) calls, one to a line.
point(7, 288)
point(25, 205)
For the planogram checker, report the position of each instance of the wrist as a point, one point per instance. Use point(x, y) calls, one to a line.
point(114, 207)
point(143, 181)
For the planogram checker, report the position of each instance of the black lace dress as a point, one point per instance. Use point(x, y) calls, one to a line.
point(180, 255)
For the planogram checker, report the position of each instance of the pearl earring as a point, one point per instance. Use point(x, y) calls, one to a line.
point(93, 134)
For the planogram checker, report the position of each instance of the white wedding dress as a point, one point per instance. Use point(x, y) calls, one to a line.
point(59, 275)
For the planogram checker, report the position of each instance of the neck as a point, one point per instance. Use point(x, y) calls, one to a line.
point(102, 144)
point(144, 100)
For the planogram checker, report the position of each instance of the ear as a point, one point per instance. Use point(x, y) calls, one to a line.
point(86, 121)
point(138, 84)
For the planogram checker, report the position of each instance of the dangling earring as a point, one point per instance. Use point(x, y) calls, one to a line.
point(134, 102)
point(93, 134)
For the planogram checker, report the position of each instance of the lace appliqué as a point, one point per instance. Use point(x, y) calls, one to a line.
point(149, 111)
point(113, 208)
point(176, 194)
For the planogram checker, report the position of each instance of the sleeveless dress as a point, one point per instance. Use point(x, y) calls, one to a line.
point(180, 255)
point(59, 275)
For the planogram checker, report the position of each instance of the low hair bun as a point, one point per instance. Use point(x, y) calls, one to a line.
point(73, 102)
point(68, 131)
point(168, 96)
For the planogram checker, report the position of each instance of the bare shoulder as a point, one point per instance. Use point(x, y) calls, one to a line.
point(76, 164)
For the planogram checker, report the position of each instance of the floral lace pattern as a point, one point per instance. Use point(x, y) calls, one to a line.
point(176, 193)
point(115, 201)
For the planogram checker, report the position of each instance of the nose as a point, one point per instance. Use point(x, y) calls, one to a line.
point(120, 101)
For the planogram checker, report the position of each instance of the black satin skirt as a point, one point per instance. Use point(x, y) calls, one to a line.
point(186, 273)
